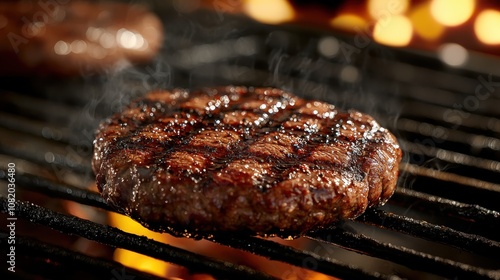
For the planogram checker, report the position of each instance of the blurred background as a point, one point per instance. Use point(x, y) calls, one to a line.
point(454, 30)
point(426, 25)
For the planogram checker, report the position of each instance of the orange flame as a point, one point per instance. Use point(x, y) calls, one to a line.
point(207, 248)
point(133, 259)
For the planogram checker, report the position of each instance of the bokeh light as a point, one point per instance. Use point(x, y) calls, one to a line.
point(396, 31)
point(348, 22)
point(424, 23)
point(487, 27)
point(328, 46)
point(453, 54)
point(271, 12)
point(452, 12)
point(384, 8)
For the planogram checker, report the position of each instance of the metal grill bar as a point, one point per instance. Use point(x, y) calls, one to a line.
point(52, 189)
point(286, 254)
point(447, 207)
point(57, 262)
point(458, 136)
point(450, 156)
point(431, 96)
point(436, 113)
point(34, 149)
point(422, 229)
point(450, 177)
point(37, 128)
point(37, 107)
point(403, 255)
point(114, 237)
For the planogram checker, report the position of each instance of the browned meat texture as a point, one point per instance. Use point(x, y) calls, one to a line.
point(250, 160)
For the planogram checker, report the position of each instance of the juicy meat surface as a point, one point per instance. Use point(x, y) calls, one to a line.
point(251, 160)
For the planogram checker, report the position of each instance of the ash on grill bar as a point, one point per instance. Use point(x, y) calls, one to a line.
point(426, 70)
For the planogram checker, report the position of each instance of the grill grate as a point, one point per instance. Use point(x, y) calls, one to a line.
point(35, 253)
point(117, 238)
point(448, 192)
point(405, 256)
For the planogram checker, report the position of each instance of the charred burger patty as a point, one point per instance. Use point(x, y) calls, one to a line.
point(250, 160)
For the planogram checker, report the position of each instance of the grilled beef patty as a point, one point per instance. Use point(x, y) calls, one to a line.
point(251, 160)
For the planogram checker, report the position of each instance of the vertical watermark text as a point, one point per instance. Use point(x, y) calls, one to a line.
point(11, 216)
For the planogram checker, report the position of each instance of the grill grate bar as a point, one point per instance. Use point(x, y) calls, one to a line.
point(38, 108)
point(402, 255)
point(61, 260)
point(450, 156)
point(470, 218)
point(36, 149)
point(52, 189)
point(471, 242)
point(438, 113)
point(449, 207)
point(296, 257)
point(429, 80)
point(450, 177)
point(458, 136)
point(114, 237)
point(55, 166)
point(414, 94)
point(34, 127)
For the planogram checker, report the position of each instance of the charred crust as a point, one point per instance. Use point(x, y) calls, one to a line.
point(247, 160)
